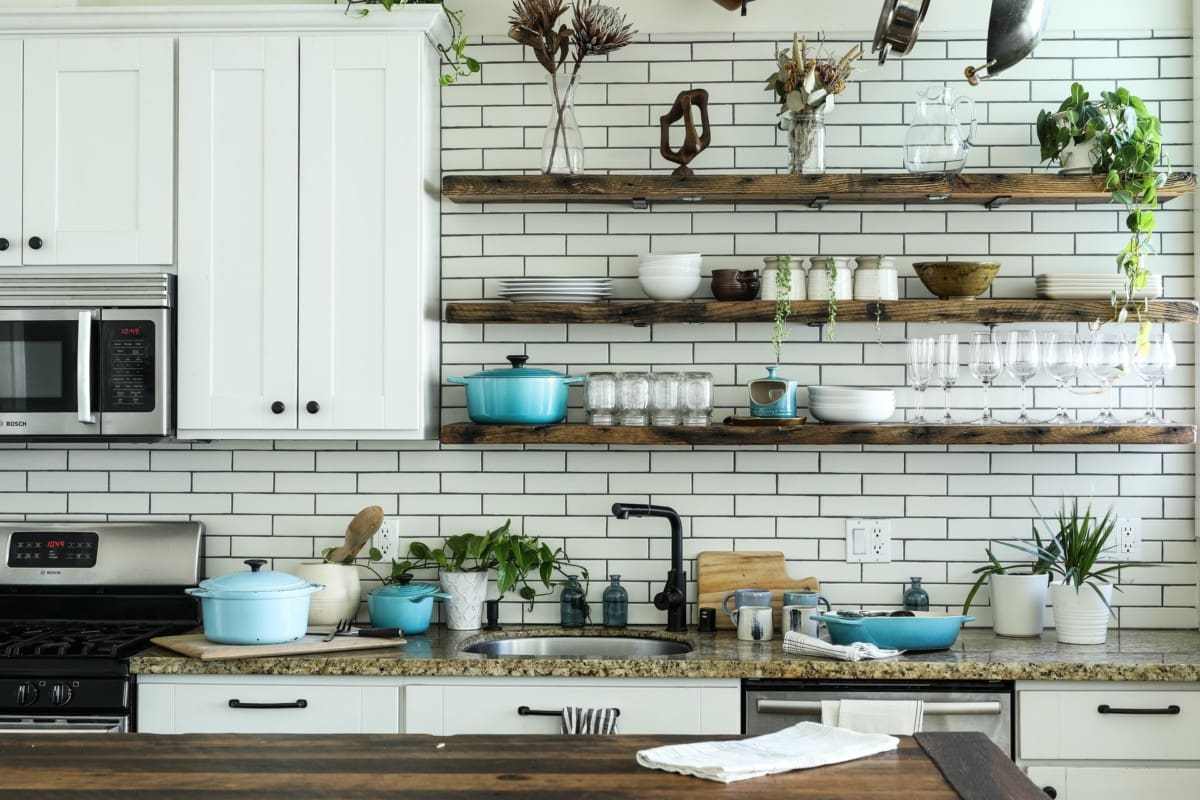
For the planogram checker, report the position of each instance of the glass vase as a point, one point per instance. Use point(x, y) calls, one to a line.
point(806, 141)
point(562, 144)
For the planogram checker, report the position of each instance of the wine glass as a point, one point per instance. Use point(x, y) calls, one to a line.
point(1063, 358)
point(1024, 361)
point(1108, 361)
point(986, 364)
point(920, 372)
point(1152, 361)
point(946, 368)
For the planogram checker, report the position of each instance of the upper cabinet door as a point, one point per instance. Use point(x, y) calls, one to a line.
point(238, 184)
point(99, 138)
point(364, 233)
point(10, 153)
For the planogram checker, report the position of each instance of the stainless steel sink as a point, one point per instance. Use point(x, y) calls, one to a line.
point(579, 647)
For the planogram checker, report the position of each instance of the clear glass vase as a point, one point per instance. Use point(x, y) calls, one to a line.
point(806, 141)
point(562, 145)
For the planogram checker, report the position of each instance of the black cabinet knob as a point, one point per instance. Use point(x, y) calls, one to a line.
point(60, 694)
point(1050, 791)
point(27, 694)
point(278, 407)
point(3, 244)
point(35, 243)
point(312, 407)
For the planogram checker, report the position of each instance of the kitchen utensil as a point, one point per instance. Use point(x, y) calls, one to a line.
point(820, 283)
point(340, 597)
point(898, 28)
point(633, 399)
point(255, 607)
point(697, 399)
point(366, 633)
point(358, 533)
point(800, 611)
point(719, 573)
point(919, 633)
point(1084, 286)
point(837, 404)
point(764, 422)
point(735, 284)
point(941, 134)
point(669, 287)
point(343, 626)
point(408, 607)
point(601, 399)
point(1014, 31)
point(876, 278)
point(517, 396)
point(194, 645)
point(745, 598)
point(956, 280)
point(754, 623)
point(773, 397)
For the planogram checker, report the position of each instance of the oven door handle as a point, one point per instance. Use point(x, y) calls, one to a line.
point(83, 369)
point(34, 726)
point(931, 709)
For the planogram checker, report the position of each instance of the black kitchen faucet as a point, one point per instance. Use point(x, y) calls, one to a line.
point(673, 597)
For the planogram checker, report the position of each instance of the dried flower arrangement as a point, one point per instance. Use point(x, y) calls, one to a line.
point(807, 81)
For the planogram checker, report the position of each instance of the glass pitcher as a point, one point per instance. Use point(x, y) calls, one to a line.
point(942, 132)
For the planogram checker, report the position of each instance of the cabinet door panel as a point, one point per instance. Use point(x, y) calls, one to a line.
point(361, 257)
point(238, 182)
point(10, 152)
point(98, 156)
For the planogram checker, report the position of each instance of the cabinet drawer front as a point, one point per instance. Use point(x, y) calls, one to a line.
point(1125, 725)
point(206, 708)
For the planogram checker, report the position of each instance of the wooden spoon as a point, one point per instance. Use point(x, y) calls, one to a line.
point(358, 533)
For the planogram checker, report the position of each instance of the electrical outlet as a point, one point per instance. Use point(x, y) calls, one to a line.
point(1128, 535)
point(869, 541)
point(387, 539)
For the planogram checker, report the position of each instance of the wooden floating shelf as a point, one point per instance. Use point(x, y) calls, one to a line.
point(812, 312)
point(979, 188)
point(820, 434)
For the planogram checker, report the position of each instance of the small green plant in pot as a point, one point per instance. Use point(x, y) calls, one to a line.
point(1018, 590)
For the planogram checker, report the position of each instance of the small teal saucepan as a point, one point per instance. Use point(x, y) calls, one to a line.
point(913, 634)
point(517, 396)
point(408, 607)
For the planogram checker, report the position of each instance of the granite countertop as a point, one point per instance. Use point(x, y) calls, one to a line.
point(1129, 655)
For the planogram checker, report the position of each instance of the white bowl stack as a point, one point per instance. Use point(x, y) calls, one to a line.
point(845, 405)
point(670, 276)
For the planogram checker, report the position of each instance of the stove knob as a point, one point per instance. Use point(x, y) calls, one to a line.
point(27, 694)
point(60, 694)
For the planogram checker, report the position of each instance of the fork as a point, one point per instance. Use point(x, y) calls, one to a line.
point(343, 626)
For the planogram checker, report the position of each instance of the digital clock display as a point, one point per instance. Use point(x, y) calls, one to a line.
point(66, 549)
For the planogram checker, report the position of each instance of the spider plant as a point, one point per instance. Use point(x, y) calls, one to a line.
point(1044, 554)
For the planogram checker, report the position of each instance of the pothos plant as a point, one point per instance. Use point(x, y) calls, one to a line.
point(453, 53)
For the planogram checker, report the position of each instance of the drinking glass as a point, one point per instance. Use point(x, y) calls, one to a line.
point(1024, 361)
point(1063, 358)
point(697, 398)
point(986, 364)
point(666, 389)
point(1108, 361)
point(1152, 362)
point(600, 397)
point(945, 368)
point(633, 399)
point(920, 372)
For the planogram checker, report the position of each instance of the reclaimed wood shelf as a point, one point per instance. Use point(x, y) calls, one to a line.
point(815, 433)
point(812, 312)
point(978, 188)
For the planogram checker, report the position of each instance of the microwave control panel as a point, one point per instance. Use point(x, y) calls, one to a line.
point(68, 549)
point(128, 353)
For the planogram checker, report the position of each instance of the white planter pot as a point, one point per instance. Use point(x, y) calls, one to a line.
point(339, 599)
point(1018, 603)
point(1080, 616)
point(467, 590)
point(1076, 158)
point(770, 287)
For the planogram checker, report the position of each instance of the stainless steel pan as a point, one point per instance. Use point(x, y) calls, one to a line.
point(1015, 29)
point(899, 24)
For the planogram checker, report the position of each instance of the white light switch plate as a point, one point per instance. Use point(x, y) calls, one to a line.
point(868, 541)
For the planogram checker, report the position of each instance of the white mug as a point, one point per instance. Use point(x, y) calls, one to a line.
point(754, 623)
point(801, 619)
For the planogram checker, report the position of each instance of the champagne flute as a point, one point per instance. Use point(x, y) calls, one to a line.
point(946, 367)
point(920, 372)
point(1108, 361)
point(1024, 361)
point(986, 364)
point(1063, 357)
point(1152, 361)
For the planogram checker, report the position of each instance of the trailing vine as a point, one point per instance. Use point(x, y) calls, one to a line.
point(832, 272)
point(783, 305)
point(453, 53)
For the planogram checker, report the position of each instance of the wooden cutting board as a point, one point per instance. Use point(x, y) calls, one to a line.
point(718, 573)
point(196, 646)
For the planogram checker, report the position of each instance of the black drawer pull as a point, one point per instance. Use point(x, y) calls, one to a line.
point(1169, 711)
point(239, 704)
point(526, 711)
point(1050, 792)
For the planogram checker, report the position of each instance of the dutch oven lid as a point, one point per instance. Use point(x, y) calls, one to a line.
point(410, 591)
point(518, 370)
point(256, 581)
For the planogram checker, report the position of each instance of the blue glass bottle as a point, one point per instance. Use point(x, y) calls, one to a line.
point(573, 604)
point(916, 598)
point(616, 604)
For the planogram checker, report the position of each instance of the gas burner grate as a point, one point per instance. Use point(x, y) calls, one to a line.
point(78, 639)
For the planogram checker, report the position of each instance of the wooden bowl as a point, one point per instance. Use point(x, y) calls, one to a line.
point(957, 280)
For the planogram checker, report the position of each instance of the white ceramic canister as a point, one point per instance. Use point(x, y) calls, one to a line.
point(876, 279)
point(818, 278)
point(339, 599)
point(770, 287)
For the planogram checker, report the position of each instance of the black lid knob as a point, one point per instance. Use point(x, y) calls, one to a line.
point(255, 564)
point(517, 361)
point(312, 407)
point(3, 244)
point(277, 407)
point(35, 243)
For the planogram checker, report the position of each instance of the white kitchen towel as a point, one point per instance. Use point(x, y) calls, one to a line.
point(801, 746)
point(801, 644)
point(895, 717)
point(589, 721)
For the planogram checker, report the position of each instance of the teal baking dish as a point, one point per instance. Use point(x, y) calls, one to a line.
point(915, 634)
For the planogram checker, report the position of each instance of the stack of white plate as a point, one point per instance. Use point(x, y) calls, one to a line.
point(556, 290)
point(845, 405)
point(1085, 286)
point(670, 276)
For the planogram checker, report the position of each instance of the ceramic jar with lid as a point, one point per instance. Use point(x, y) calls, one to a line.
point(771, 268)
point(876, 279)
point(819, 282)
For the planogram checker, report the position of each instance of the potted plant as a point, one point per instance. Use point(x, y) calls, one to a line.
point(1018, 591)
point(1069, 134)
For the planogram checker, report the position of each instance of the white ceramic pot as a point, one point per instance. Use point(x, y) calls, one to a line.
point(467, 590)
point(876, 278)
point(1080, 616)
point(818, 279)
point(1076, 158)
point(1018, 604)
point(340, 597)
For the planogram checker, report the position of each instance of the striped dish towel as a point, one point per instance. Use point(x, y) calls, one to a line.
point(800, 644)
point(589, 721)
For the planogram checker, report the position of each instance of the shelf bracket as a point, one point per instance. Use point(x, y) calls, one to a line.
point(938, 198)
point(997, 202)
point(640, 203)
point(818, 203)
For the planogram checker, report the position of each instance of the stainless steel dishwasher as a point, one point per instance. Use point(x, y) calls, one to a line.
point(978, 706)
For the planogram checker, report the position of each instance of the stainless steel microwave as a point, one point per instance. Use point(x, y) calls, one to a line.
point(87, 356)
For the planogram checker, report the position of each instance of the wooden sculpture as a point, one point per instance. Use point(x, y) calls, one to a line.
point(693, 144)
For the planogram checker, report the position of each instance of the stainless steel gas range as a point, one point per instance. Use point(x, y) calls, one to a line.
point(76, 601)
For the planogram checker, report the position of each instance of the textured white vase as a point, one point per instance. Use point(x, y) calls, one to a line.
point(467, 590)
point(1018, 604)
point(1077, 158)
point(339, 599)
point(1080, 616)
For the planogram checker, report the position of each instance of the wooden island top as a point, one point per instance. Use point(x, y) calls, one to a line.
point(426, 767)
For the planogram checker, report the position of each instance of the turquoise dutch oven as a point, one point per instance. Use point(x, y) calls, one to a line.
point(256, 607)
point(519, 395)
point(913, 634)
point(407, 606)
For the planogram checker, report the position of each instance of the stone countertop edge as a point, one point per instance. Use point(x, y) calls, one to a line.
point(1129, 655)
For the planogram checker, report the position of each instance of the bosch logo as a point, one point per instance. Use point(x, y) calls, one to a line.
point(15, 423)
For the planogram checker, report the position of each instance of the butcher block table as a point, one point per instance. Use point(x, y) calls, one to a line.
point(467, 767)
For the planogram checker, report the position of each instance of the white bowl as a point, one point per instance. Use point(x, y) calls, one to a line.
point(657, 272)
point(671, 256)
point(848, 414)
point(849, 392)
point(680, 287)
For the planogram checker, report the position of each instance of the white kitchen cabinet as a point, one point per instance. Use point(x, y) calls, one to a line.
point(1116, 783)
point(98, 155)
point(10, 153)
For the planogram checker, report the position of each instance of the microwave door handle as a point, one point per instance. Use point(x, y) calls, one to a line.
point(933, 709)
point(83, 369)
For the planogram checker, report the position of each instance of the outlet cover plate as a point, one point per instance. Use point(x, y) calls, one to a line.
point(387, 539)
point(868, 541)
point(1128, 536)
